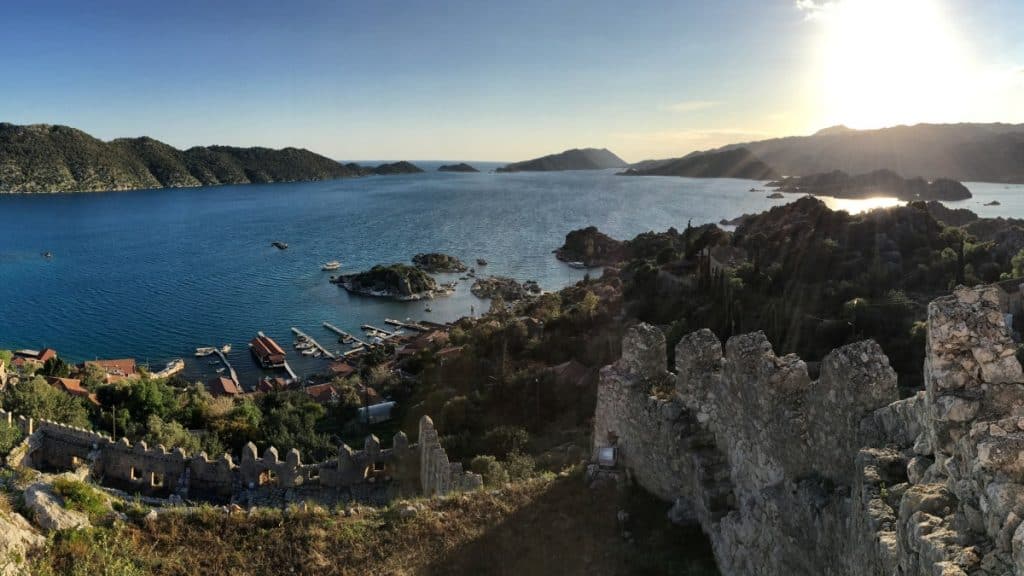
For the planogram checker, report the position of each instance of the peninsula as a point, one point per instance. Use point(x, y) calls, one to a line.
point(43, 158)
point(735, 163)
point(575, 159)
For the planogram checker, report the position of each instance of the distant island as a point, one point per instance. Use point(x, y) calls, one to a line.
point(575, 159)
point(735, 163)
point(460, 167)
point(402, 167)
point(44, 158)
point(839, 184)
point(398, 281)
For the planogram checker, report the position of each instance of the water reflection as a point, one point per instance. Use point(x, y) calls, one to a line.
point(856, 206)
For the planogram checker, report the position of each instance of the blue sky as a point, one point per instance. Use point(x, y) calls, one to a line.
point(481, 80)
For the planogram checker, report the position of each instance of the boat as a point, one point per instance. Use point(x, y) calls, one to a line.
point(220, 370)
point(307, 352)
point(579, 265)
point(47, 254)
point(332, 265)
point(213, 362)
point(427, 309)
point(205, 351)
point(279, 245)
point(481, 262)
point(225, 348)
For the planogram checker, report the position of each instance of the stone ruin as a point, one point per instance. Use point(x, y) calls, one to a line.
point(835, 476)
point(373, 474)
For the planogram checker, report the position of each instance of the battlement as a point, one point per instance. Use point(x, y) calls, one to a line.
point(159, 471)
point(789, 475)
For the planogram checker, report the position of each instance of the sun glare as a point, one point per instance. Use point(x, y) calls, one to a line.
point(888, 62)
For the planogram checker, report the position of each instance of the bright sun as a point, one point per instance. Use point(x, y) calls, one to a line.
point(888, 62)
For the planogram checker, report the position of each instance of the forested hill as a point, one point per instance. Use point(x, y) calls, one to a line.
point(46, 158)
point(575, 159)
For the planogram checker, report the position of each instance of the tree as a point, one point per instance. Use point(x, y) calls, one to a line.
point(37, 399)
point(55, 368)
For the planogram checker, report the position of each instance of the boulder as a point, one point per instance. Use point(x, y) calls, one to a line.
point(48, 509)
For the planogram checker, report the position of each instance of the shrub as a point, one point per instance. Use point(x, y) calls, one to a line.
point(80, 496)
point(488, 466)
point(520, 466)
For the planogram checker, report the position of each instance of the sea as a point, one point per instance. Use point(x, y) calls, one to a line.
point(154, 274)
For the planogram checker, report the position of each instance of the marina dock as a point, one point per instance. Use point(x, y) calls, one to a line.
point(344, 334)
point(408, 325)
point(374, 331)
point(290, 372)
point(316, 344)
point(231, 369)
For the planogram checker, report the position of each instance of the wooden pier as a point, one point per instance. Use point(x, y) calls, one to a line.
point(231, 369)
point(409, 325)
point(315, 344)
point(344, 334)
point(290, 372)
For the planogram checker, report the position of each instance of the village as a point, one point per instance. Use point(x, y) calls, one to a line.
point(389, 351)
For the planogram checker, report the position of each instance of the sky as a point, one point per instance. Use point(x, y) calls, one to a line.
point(482, 80)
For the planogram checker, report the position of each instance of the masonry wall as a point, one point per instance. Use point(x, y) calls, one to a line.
point(789, 475)
point(373, 473)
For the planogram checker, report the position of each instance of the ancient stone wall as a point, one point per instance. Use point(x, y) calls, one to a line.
point(789, 475)
point(375, 472)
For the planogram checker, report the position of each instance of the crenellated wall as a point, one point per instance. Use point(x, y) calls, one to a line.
point(789, 475)
point(374, 472)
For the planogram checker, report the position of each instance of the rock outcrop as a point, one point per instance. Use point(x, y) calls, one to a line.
point(789, 475)
point(17, 538)
point(48, 509)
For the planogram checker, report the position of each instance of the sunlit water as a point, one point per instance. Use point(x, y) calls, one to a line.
point(154, 274)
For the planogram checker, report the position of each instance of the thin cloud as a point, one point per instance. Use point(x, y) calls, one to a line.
point(813, 9)
point(692, 105)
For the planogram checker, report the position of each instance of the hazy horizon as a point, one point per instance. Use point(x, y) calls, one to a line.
point(504, 83)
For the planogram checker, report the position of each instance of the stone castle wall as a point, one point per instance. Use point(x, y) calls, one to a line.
point(373, 473)
point(789, 475)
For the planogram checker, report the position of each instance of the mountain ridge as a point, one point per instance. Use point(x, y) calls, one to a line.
point(50, 158)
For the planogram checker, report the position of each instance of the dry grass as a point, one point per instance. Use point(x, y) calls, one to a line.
point(542, 526)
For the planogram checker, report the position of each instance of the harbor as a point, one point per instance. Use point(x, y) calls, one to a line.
point(345, 335)
point(316, 345)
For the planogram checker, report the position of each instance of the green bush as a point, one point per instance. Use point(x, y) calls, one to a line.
point(80, 496)
point(488, 466)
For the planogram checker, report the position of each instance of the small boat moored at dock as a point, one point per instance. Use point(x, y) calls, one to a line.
point(225, 348)
point(332, 265)
point(205, 351)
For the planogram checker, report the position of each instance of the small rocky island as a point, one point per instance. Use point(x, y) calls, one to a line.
point(398, 281)
point(460, 167)
point(436, 262)
point(507, 289)
point(839, 184)
point(401, 167)
point(591, 247)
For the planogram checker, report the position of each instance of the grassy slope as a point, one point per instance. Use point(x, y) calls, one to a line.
point(542, 526)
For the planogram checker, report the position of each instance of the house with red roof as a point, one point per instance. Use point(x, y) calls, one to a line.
point(73, 387)
point(223, 386)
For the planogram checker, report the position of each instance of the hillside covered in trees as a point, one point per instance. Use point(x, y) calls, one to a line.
point(44, 158)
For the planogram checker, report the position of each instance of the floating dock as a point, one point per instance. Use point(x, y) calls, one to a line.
point(369, 328)
point(290, 372)
point(353, 351)
point(344, 334)
point(315, 344)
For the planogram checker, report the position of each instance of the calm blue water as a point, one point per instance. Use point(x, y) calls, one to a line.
point(154, 274)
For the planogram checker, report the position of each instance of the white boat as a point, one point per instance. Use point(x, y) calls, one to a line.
point(220, 370)
point(205, 351)
point(579, 265)
point(225, 348)
point(307, 352)
point(332, 265)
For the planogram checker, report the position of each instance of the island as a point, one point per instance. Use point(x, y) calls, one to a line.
point(591, 247)
point(735, 163)
point(575, 159)
point(508, 289)
point(397, 281)
point(839, 184)
point(435, 262)
point(43, 158)
point(460, 167)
